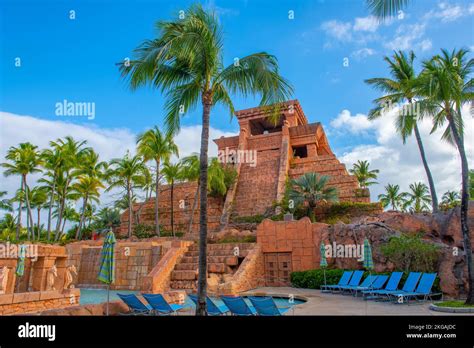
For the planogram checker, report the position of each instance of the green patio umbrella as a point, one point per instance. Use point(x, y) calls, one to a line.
point(368, 262)
point(323, 263)
point(20, 265)
point(107, 263)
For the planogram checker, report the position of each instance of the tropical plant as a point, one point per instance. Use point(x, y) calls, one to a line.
point(172, 173)
point(309, 190)
point(190, 172)
point(386, 8)
point(447, 85)
point(154, 145)
point(38, 197)
point(23, 160)
point(417, 200)
point(364, 174)
point(392, 196)
point(5, 204)
point(450, 200)
point(185, 61)
point(7, 227)
point(126, 173)
point(402, 88)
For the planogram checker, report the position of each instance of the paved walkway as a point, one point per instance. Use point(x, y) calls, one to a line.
point(334, 304)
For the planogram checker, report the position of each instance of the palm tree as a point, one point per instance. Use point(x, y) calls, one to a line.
point(5, 204)
point(38, 197)
point(172, 173)
point(24, 160)
point(52, 162)
point(191, 172)
point(451, 199)
point(185, 61)
point(108, 217)
point(401, 88)
point(392, 197)
point(418, 198)
point(87, 187)
point(7, 227)
point(447, 86)
point(310, 190)
point(386, 8)
point(154, 145)
point(364, 174)
point(126, 173)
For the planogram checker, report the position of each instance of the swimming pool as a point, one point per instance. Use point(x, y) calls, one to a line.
point(95, 296)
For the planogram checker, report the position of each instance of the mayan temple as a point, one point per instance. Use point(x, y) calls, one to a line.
point(281, 151)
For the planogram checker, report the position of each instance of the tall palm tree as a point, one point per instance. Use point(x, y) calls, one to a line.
point(310, 190)
point(418, 198)
point(447, 85)
point(87, 187)
point(172, 173)
point(450, 199)
point(52, 162)
point(191, 173)
point(386, 8)
point(24, 160)
point(401, 88)
point(185, 61)
point(392, 196)
point(154, 145)
point(126, 173)
point(364, 174)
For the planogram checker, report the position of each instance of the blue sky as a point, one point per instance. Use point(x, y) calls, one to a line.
point(75, 60)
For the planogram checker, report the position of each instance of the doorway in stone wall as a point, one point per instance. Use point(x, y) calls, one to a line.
point(277, 269)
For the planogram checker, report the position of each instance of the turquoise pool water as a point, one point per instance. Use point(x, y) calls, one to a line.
point(94, 296)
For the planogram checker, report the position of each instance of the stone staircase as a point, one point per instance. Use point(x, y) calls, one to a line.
point(223, 261)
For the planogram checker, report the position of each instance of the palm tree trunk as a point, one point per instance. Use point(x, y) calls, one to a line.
point(50, 210)
point(191, 218)
point(38, 210)
point(464, 207)
point(130, 210)
point(157, 200)
point(60, 217)
point(172, 208)
point(201, 308)
point(434, 197)
point(28, 207)
point(20, 208)
point(81, 221)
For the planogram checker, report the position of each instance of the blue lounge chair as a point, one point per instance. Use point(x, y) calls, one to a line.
point(355, 281)
point(160, 305)
point(346, 276)
point(392, 285)
point(409, 286)
point(366, 283)
point(422, 290)
point(212, 308)
point(265, 306)
point(238, 306)
point(136, 306)
point(378, 283)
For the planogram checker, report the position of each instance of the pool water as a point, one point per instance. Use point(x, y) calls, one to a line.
point(94, 296)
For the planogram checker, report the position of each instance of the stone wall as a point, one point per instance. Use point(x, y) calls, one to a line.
point(184, 194)
point(37, 301)
point(302, 240)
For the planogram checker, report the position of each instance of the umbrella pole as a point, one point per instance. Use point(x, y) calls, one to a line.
point(108, 297)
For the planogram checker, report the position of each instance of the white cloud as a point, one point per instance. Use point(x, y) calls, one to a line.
point(338, 30)
point(369, 23)
point(409, 37)
point(447, 12)
point(401, 164)
point(357, 124)
point(363, 53)
point(108, 143)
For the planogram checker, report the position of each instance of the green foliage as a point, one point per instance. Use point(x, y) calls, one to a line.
point(249, 219)
point(411, 253)
point(454, 304)
point(363, 174)
point(234, 239)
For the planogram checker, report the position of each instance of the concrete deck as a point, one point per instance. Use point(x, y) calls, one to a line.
point(319, 303)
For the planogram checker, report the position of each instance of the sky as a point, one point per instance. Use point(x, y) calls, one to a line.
point(326, 49)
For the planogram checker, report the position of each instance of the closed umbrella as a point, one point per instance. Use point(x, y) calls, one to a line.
point(323, 263)
point(368, 262)
point(20, 265)
point(107, 263)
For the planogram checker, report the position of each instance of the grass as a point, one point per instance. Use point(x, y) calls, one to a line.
point(454, 304)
